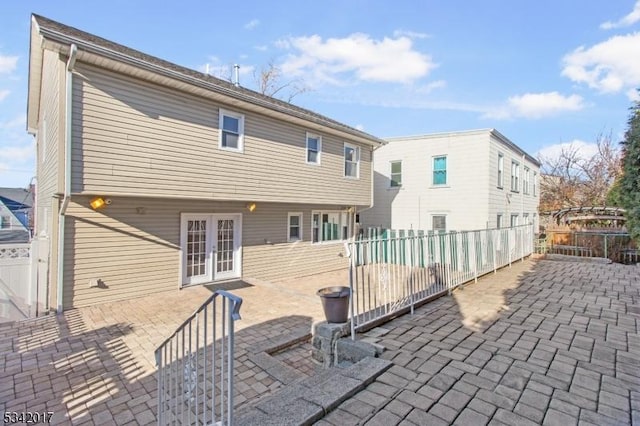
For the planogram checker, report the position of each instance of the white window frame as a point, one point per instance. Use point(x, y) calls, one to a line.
point(511, 221)
point(535, 184)
point(211, 275)
point(433, 171)
point(391, 174)
point(240, 117)
point(345, 219)
point(500, 170)
point(300, 217)
point(310, 135)
point(515, 176)
point(357, 161)
point(433, 216)
point(525, 181)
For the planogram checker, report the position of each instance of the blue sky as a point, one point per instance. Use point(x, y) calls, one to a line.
point(544, 73)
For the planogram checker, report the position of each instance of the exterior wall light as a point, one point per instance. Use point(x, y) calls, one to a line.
point(99, 202)
point(251, 207)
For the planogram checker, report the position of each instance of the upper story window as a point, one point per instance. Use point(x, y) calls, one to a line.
point(515, 176)
point(351, 161)
point(396, 174)
point(330, 226)
point(295, 227)
point(439, 223)
point(440, 170)
point(500, 171)
point(525, 181)
point(314, 148)
point(535, 184)
point(231, 131)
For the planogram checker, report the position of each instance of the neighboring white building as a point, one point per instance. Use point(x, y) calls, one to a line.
point(455, 181)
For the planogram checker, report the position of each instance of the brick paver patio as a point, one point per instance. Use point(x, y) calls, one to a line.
point(541, 342)
point(547, 342)
point(96, 365)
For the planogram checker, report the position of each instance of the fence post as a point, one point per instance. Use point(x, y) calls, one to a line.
point(494, 245)
point(606, 255)
point(351, 286)
point(475, 257)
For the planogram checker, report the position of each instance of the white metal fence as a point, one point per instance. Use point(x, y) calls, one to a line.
point(393, 272)
point(195, 365)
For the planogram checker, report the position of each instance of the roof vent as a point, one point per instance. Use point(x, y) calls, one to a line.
point(236, 80)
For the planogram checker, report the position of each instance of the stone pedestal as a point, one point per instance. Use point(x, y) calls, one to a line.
point(331, 347)
point(325, 342)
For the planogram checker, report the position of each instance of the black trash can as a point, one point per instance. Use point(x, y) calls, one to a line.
point(335, 303)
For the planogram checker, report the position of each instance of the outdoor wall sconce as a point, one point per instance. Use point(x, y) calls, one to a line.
point(99, 202)
point(251, 206)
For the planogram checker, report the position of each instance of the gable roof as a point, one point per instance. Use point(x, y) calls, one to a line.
point(16, 198)
point(64, 36)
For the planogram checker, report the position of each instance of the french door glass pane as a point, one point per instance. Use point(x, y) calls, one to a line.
point(196, 247)
point(224, 255)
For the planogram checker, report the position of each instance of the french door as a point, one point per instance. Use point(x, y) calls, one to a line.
point(211, 247)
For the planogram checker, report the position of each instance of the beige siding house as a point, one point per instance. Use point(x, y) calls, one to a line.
point(454, 181)
point(202, 180)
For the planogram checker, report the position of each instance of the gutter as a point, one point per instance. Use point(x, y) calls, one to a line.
point(71, 62)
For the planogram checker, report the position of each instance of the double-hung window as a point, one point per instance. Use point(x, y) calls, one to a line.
point(500, 170)
point(525, 181)
point(499, 221)
point(314, 148)
point(294, 222)
point(440, 170)
point(231, 131)
point(535, 184)
point(396, 174)
point(351, 161)
point(439, 223)
point(515, 176)
point(514, 220)
point(330, 226)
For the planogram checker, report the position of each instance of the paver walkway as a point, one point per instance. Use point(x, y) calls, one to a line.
point(547, 342)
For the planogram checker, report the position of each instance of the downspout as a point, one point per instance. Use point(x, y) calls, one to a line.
point(73, 51)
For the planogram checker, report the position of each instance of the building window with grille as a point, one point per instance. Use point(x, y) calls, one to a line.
point(295, 227)
point(440, 170)
point(396, 174)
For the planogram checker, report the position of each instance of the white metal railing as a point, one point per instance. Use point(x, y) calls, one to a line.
point(400, 269)
point(195, 365)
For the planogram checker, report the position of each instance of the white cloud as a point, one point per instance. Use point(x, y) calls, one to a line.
point(360, 127)
point(430, 87)
point(625, 21)
point(261, 48)
point(584, 149)
point(391, 60)
point(610, 67)
point(536, 105)
point(4, 94)
point(8, 64)
point(410, 34)
point(251, 24)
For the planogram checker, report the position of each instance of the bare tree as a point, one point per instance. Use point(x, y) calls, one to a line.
point(270, 82)
point(571, 180)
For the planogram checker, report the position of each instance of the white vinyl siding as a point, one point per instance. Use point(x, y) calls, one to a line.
point(395, 179)
point(294, 227)
point(314, 148)
point(351, 161)
point(231, 131)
